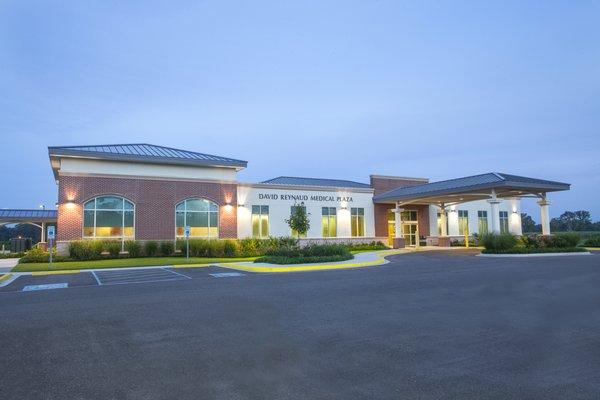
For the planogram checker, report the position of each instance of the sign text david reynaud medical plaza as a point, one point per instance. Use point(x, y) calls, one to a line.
point(304, 197)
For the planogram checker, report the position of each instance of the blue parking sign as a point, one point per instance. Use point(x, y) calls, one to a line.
point(51, 232)
point(187, 231)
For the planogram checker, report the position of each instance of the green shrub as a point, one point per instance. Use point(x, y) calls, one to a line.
point(150, 248)
point(86, 249)
point(230, 248)
point(366, 246)
point(564, 240)
point(37, 255)
point(525, 250)
point(498, 242)
point(113, 248)
point(592, 241)
point(167, 248)
point(133, 248)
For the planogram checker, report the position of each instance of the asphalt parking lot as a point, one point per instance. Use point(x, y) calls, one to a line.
point(428, 325)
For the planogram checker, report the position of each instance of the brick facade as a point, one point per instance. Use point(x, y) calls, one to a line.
point(154, 200)
point(385, 184)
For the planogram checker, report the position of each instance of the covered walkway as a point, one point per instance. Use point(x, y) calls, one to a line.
point(491, 186)
point(39, 218)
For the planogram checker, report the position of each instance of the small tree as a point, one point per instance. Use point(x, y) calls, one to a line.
point(298, 220)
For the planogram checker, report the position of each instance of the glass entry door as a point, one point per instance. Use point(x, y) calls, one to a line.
point(409, 231)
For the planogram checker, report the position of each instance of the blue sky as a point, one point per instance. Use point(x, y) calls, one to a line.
point(320, 89)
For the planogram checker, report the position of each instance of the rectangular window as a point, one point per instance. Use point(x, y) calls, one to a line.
point(260, 221)
point(329, 221)
point(357, 222)
point(408, 216)
point(503, 221)
point(482, 222)
point(294, 233)
point(463, 222)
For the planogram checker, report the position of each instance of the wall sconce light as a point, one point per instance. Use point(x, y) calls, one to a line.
point(344, 208)
point(242, 205)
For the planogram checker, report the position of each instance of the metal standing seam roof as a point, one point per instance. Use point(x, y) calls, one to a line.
point(470, 183)
point(299, 181)
point(27, 214)
point(145, 152)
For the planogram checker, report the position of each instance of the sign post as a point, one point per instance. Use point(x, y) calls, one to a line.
point(51, 235)
point(187, 242)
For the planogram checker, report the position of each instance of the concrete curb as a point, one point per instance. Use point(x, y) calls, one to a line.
point(7, 279)
point(587, 253)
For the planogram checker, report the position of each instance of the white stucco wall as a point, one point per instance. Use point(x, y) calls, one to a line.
point(280, 201)
point(122, 168)
point(512, 206)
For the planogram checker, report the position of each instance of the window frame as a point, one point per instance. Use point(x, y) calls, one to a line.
point(357, 217)
point(260, 215)
point(95, 210)
point(329, 216)
point(481, 217)
point(463, 218)
point(185, 212)
point(503, 221)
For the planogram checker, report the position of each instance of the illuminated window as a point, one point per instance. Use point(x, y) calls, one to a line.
point(108, 217)
point(503, 221)
point(260, 221)
point(482, 222)
point(293, 211)
point(409, 216)
point(357, 221)
point(329, 221)
point(201, 215)
point(463, 222)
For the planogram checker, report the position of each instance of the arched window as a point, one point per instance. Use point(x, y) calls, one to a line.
point(108, 217)
point(201, 215)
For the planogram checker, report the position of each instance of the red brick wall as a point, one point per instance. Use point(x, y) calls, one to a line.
point(154, 201)
point(385, 184)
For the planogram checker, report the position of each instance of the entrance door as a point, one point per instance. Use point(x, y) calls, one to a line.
point(410, 227)
point(409, 231)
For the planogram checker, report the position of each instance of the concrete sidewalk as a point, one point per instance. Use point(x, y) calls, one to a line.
point(6, 264)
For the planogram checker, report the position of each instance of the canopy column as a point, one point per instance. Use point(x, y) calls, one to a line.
point(544, 215)
point(494, 202)
point(399, 242)
point(443, 240)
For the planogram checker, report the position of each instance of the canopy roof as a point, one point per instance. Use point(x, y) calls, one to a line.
point(471, 188)
point(14, 216)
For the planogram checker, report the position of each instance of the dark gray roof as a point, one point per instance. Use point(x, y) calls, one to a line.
point(145, 152)
point(30, 215)
point(491, 180)
point(297, 181)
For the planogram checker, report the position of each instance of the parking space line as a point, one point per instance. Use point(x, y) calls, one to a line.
point(177, 273)
point(96, 278)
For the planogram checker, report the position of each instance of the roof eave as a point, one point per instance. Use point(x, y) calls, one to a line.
point(237, 164)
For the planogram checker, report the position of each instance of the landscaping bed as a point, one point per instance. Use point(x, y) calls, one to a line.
point(531, 244)
point(307, 255)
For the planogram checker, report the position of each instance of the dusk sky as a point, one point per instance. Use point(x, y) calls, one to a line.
point(318, 89)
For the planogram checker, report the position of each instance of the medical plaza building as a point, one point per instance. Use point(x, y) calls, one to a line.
point(146, 192)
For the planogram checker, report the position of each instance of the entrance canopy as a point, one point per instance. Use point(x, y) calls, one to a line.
point(477, 187)
point(8, 216)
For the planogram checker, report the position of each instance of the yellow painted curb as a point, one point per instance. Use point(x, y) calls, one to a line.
point(193, 265)
point(5, 277)
point(380, 260)
point(42, 273)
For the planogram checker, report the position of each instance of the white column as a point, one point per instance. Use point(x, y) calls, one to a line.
point(514, 219)
point(444, 221)
point(545, 215)
point(494, 202)
point(397, 222)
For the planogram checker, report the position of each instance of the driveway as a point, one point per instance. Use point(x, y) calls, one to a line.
point(427, 325)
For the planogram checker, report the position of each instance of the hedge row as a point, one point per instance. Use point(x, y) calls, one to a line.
point(508, 244)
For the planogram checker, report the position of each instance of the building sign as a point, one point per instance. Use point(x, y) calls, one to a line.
point(305, 197)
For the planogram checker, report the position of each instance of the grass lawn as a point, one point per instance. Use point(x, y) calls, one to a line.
point(123, 262)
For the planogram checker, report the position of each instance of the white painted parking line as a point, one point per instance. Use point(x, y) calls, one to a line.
point(30, 288)
point(96, 278)
point(226, 274)
point(177, 273)
point(138, 276)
